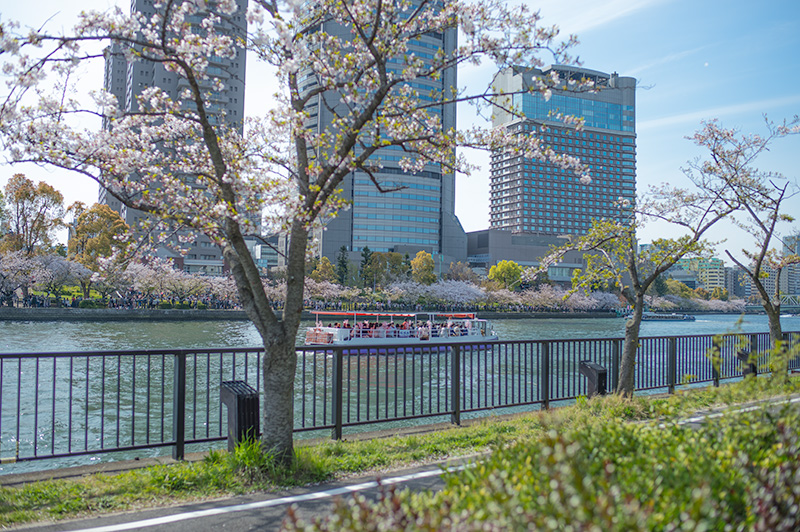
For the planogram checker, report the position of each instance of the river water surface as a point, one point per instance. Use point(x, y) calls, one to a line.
point(33, 337)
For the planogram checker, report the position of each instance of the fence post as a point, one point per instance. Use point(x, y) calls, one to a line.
point(179, 406)
point(615, 354)
point(338, 385)
point(672, 364)
point(455, 387)
point(544, 374)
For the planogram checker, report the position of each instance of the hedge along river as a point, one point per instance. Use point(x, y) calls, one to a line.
point(35, 337)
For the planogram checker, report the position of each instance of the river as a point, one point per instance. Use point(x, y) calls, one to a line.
point(42, 337)
point(32, 337)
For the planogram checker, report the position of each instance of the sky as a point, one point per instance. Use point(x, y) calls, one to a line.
point(694, 60)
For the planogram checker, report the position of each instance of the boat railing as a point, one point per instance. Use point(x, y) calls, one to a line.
point(327, 335)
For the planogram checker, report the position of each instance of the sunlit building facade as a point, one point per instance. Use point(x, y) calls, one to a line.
point(531, 196)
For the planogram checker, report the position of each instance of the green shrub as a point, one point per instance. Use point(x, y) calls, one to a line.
point(183, 306)
point(87, 303)
point(741, 469)
point(202, 306)
point(165, 305)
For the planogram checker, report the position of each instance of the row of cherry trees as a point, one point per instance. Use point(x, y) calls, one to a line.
point(53, 274)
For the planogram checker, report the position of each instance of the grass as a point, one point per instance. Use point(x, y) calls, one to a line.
point(248, 469)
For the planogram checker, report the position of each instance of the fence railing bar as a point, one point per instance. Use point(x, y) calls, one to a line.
point(436, 380)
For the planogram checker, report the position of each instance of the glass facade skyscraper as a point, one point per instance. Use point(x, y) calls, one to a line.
point(420, 214)
point(531, 196)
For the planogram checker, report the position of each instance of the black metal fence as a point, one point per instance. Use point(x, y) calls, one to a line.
point(56, 405)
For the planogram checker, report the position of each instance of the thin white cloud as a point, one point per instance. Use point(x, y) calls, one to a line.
point(664, 60)
point(695, 117)
point(579, 16)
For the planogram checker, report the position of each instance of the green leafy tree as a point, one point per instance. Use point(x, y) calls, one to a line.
point(677, 288)
point(324, 271)
point(373, 273)
point(406, 267)
point(396, 267)
point(364, 270)
point(33, 213)
point(97, 233)
point(506, 272)
point(342, 266)
point(423, 268)
point(660, 286)
point(719, 293)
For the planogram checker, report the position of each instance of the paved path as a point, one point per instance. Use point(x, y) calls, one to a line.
point(257, 512)
point(266, 512)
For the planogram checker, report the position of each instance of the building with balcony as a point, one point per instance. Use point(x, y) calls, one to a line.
point(126, 80)
point(710, 272)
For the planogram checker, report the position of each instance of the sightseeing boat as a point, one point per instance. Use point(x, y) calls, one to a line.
point(387, 328)
point(673, 316)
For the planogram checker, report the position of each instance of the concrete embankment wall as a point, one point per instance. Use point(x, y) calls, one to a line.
point(102, 314)
point(91, 314)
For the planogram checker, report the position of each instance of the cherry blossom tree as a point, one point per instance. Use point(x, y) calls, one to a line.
point(111, 275)
point(762, 196)
point(611, 249)
point(215, 176)
point(54, 273)
point(18, 271)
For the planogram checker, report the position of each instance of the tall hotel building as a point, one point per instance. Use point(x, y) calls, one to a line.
point(530, 196)
point(126, 80)
point(420, 216)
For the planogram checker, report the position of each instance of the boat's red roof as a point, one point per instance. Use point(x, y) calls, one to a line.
point(461, 315)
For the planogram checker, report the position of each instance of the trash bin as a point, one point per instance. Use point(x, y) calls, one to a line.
point(243, 411)
point(596, 376)
point(748, 367)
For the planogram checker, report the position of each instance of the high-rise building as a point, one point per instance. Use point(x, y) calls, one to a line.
point(531, 196)
point(420, 215)
point(791, 246)
point(126, 80)
point(736, 282)
point(710, 272)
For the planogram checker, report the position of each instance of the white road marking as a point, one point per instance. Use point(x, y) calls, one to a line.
point(752, 408)
point(269, 503)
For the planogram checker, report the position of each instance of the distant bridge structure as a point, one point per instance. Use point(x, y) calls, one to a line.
point(790, 304)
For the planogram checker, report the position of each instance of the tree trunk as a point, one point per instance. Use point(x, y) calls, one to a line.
point(779, 364)
point(628, 363)
point(278, 336)
point(277, 418)
point(86, 288)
